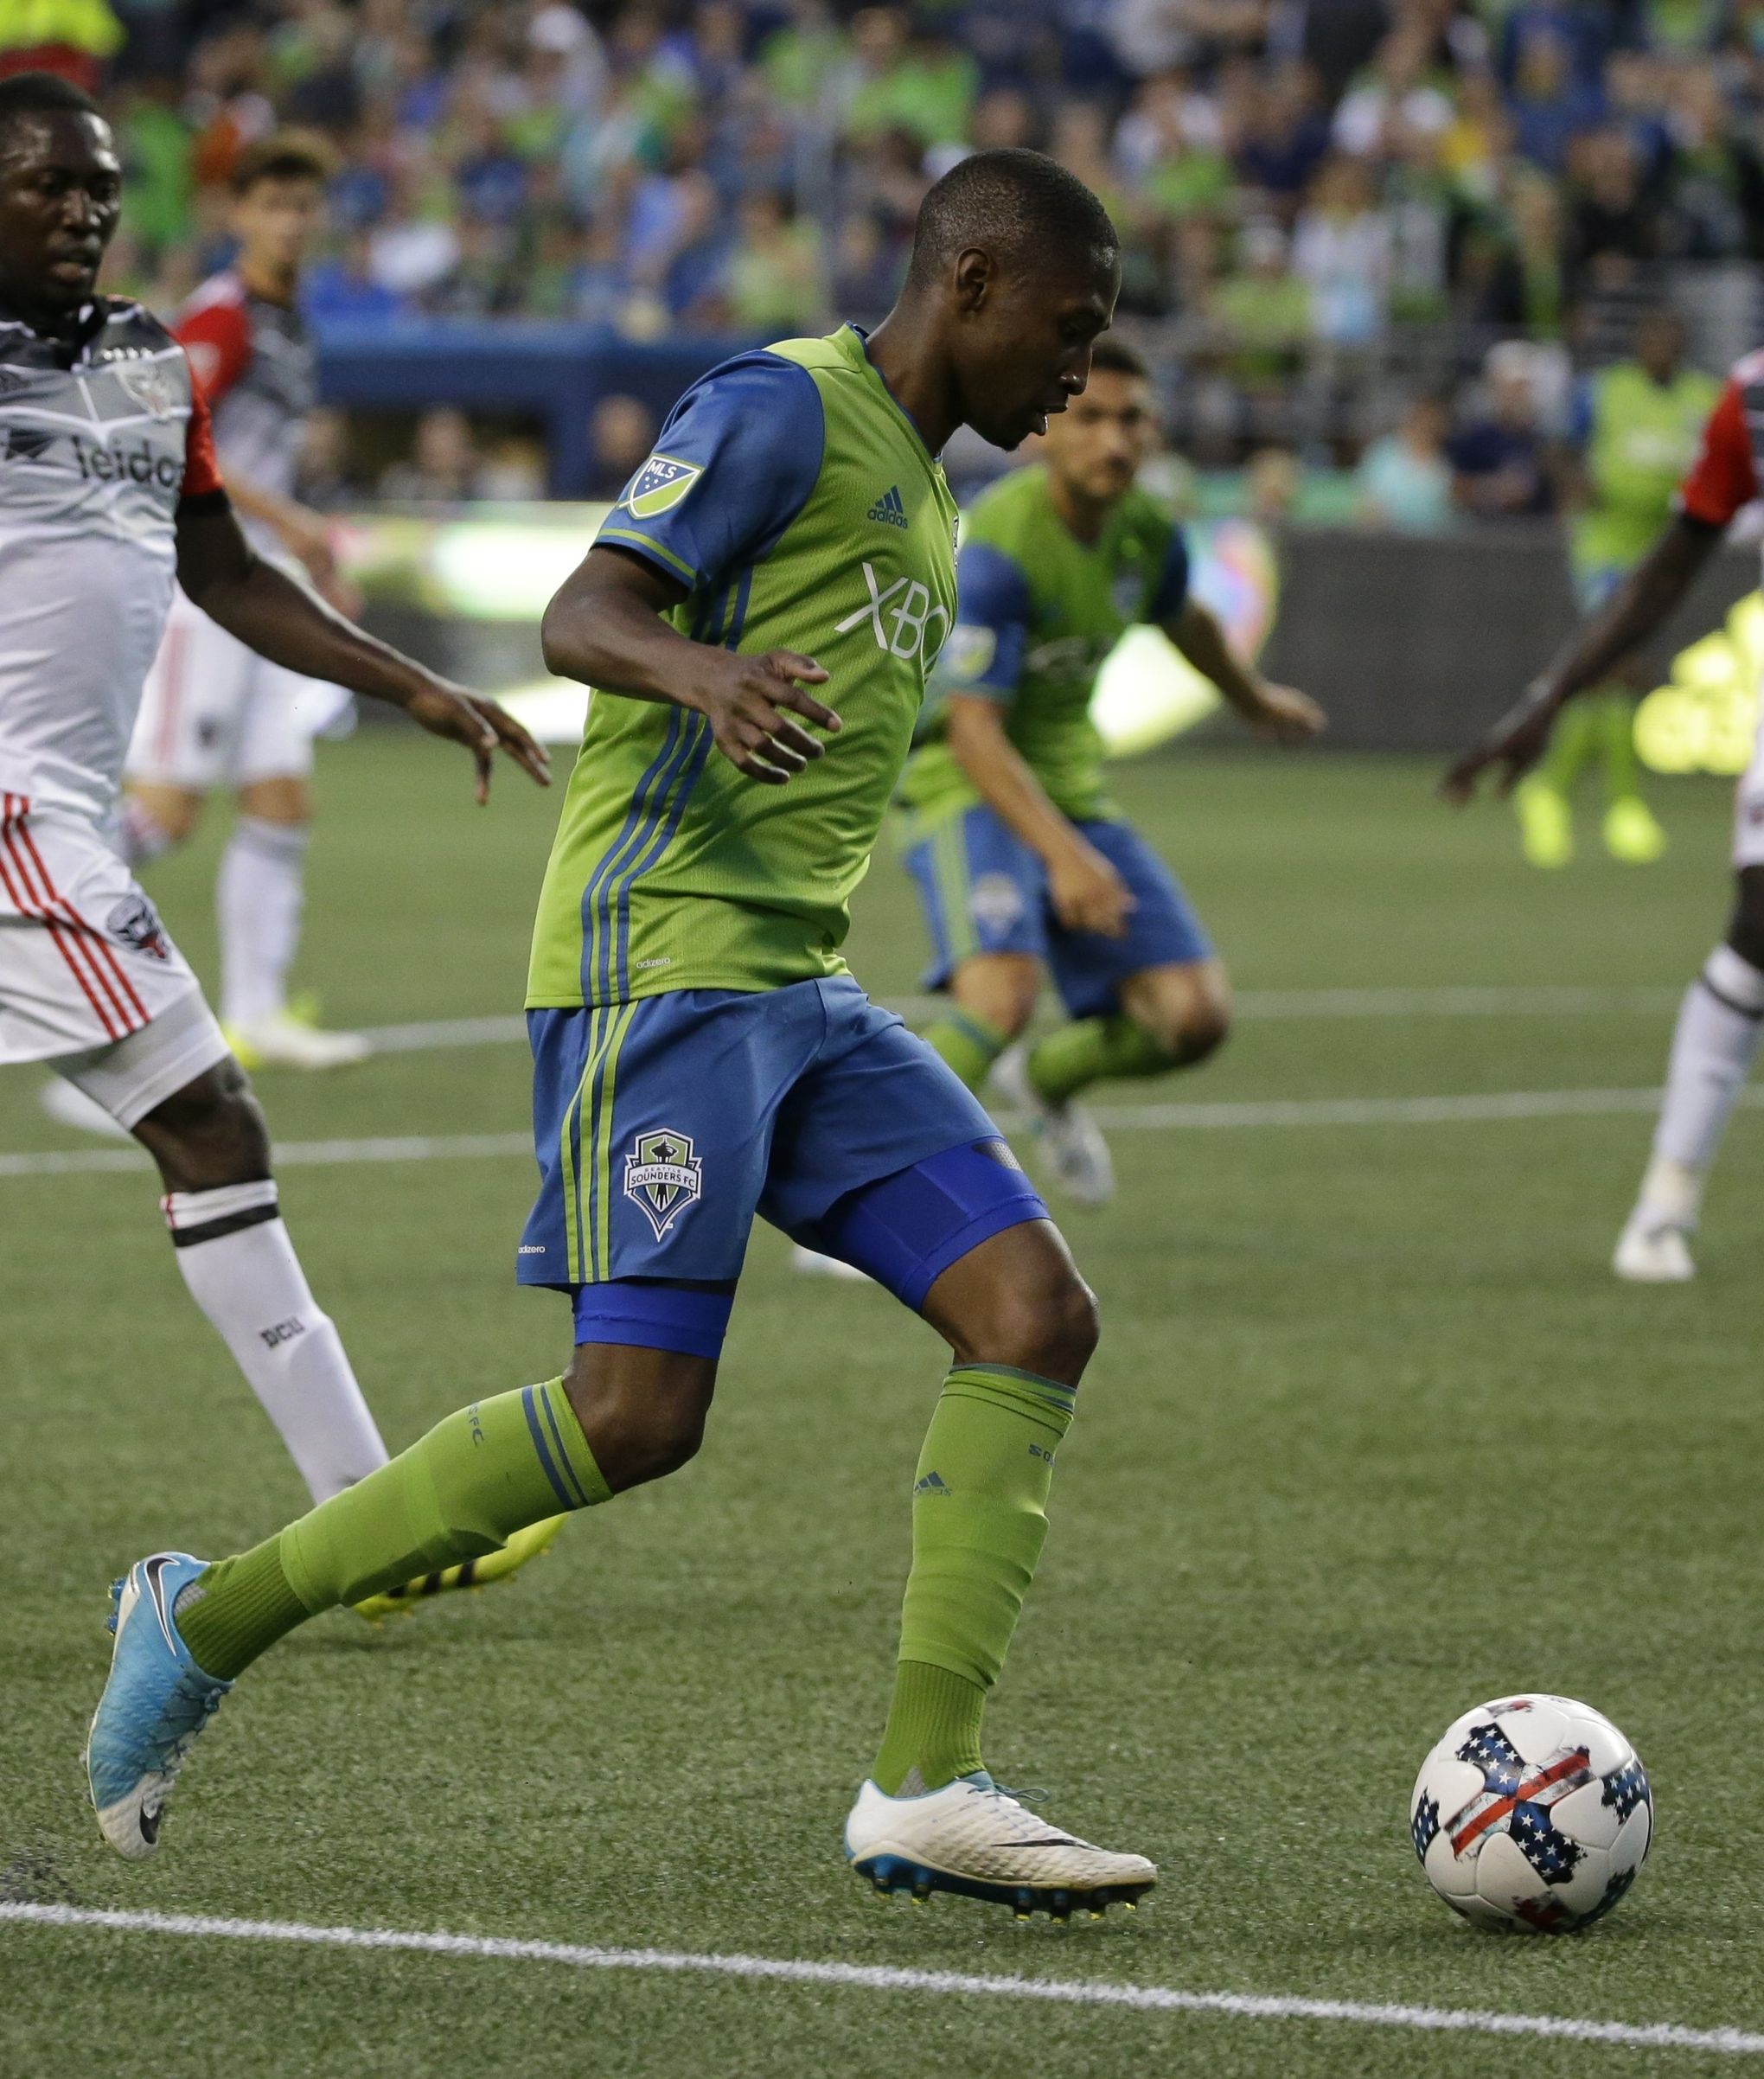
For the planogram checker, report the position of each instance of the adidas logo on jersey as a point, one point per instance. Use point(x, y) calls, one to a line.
point(888, 508)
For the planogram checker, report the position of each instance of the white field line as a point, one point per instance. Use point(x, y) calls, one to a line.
point(1065, 1992)
point(1490, 1107)
point(431, 1034)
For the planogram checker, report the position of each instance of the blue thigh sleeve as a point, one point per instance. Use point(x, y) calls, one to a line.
point(906, 1230)
point(655, 1314)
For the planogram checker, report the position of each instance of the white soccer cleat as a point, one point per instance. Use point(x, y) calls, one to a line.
point(286, 1041)
point(1066, 1133)
point(974, 1839)
point(1654, 1251)
point(68, 1105)
point(811, 1264)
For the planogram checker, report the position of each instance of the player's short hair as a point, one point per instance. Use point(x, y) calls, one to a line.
point(42, 93)
point(1020, 205)
point(285, 155)
point(1114, 357)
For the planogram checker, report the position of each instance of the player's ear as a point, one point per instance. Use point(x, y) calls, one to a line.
point(974, 277)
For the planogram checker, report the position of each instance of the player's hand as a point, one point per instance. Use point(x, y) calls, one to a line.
point(1285, 715)
point(1087, 893)
point(483, 728)
point(1515, 744)
point(748, 701)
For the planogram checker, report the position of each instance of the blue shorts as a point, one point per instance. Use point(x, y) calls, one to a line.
point(662, 1126)
point(984, 891)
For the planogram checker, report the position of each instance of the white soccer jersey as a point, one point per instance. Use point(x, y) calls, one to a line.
point(255, 364)
point(99, 439)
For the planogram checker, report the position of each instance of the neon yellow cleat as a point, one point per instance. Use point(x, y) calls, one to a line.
point(470, 1573)
point(1633, 832)
point(1546, 822)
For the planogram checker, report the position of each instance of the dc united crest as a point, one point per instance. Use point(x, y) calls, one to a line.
point(663, 1176)
point(152, 386)
point(136, 922)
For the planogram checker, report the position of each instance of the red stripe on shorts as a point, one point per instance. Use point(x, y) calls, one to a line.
point(19, 892)
point(96, 945)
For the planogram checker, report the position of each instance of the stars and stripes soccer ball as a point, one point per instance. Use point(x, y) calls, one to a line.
point(1532, 1813)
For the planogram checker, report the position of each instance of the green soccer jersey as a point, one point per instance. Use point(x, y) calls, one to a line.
point(797, 501)
point(1039, 611)
point(1639, 439)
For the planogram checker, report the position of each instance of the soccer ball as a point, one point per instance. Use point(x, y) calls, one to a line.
point(1532, 1813)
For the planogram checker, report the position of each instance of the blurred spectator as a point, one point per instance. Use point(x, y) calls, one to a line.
point(75, 38)
point(1446, 173)
point(1404, 481)
point(621, 431)
point(1499, 460)
point(324, 483)
point(1342, 251)
point(444, 468)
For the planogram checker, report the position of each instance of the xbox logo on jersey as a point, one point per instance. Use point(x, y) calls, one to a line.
point(663, 1176)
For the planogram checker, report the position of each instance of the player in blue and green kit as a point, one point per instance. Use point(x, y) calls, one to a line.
point(1021, 858)
point(701, 1053)
point(1636, 431)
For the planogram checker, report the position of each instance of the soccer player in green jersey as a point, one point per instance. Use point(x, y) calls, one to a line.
point(701, 1053)
point(1022, 861)
point(1636, 430)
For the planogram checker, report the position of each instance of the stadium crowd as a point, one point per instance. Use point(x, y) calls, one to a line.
point(1331, 208)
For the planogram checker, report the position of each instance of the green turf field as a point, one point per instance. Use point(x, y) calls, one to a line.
point(1372, 1436)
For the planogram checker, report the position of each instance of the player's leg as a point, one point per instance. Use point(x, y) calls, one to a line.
point(1631, 830)
point(1153, 1001)
point(982, 893)
point(959, 1234)
point(630, 1103)
point(1715, 1043)
point(233, 1251)
point(261, 890)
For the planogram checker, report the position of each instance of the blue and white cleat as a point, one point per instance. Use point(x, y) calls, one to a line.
point(972, 1838)
point(154, 1704)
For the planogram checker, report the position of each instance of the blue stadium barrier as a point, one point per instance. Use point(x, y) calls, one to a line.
point(557, 372)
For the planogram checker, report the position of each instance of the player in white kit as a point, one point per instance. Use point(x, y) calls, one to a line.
point(108, 486)
point(214, 713)
point(1721, 1018)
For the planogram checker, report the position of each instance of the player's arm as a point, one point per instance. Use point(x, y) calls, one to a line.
point(736, 462)
point(605, 629)
point(278, 617)
point(1084, 888)
point(1280, 712)
point(1721, 480)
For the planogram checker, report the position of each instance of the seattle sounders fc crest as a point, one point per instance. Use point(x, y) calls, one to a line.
point(663, 1176)
point(658, 486)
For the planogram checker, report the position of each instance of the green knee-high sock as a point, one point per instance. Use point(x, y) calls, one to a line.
point(979, 1516)
point(1076, 1056)
point(1574, 743)
point(459, 1491)
point(968, 1044)
point(1615, 719)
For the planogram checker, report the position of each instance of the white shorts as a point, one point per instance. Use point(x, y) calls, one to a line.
point(1748, 809)
point(214, 713)
point(89, 980)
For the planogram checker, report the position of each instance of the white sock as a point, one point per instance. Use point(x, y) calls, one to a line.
point(258, 894)
point(242, 1271)
point(1720, 1024)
